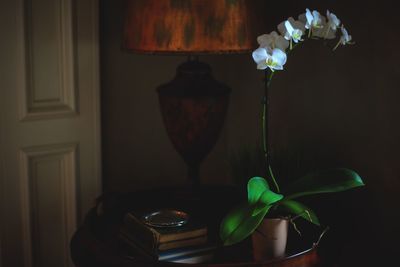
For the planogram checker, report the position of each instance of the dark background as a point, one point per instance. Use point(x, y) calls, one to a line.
point(328, 109)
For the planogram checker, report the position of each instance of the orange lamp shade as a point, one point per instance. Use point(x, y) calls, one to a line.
point(191, 26)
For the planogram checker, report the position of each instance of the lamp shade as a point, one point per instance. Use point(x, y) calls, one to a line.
point(191, 26)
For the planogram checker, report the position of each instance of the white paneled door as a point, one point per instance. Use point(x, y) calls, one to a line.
point(49, 127)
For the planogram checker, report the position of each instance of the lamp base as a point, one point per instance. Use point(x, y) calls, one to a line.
point(193, 106)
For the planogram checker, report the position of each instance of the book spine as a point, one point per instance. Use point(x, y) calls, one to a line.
point(136, 249)
point(183, 243)
point(136, 230)
point(185, 234)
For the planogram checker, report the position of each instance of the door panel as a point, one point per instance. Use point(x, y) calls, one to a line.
point(47, 49)
point(48, 216)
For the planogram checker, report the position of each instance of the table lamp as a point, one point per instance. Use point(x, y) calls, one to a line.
point(193, 105)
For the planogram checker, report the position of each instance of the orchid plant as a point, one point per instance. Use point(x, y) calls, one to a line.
point(270, 57)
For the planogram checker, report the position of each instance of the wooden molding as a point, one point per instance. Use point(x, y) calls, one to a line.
point(52, 164)
point(51, 93)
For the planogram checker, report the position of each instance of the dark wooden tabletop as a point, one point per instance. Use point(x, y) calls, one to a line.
point(95, 243)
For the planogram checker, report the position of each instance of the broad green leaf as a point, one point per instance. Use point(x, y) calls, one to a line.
point(255, 188)
point(267, 199)
point(329, 181)
point(297, 208)
point(240, 223)
point(259, 194)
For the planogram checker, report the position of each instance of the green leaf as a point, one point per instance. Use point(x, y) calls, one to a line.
point(260, 195)
point(256, 186)
point(299, 209)
point(329, 181)
point(267, 199)
point(240, 223)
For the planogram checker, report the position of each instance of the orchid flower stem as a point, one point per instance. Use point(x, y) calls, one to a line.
point(271, 174)
point(336, 46)
point(268, 77)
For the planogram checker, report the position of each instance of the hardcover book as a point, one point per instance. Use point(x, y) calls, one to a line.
point(157, 239)
point(190, 254)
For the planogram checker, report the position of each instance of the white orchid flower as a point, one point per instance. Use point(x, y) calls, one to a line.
point(292, 30)
point(345, 38)
point(331, 26)
point(318, 20)
point(333, 21)
point(315, 22)
point(323, 29)
point(307, 18)
point(269, 58)
point(295, 34)
point(273, 40)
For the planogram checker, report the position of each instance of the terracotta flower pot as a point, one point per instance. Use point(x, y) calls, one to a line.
point(270, 238)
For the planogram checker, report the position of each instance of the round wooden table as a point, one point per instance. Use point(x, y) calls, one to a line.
point(95, 243)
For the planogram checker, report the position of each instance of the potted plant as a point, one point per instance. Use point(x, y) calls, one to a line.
point(265, 198)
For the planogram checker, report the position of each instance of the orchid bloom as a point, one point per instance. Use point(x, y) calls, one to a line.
point(344, 39)
point(267, 58)
point(333, 21)
point(295, 34)
point(314, 22)
point(309, 18)
point(318, 20)
point(331, 26)
point(292, 30)
point(273, 40)
point(324, 29)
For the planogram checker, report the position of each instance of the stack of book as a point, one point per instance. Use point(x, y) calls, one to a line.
point(185, 244)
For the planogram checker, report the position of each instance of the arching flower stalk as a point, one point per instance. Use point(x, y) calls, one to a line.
point(271, 57)
point(272, 54)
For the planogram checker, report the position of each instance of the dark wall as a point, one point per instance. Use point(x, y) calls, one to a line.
point(328, 109)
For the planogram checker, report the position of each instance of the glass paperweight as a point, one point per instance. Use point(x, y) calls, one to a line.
point(166, 218)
